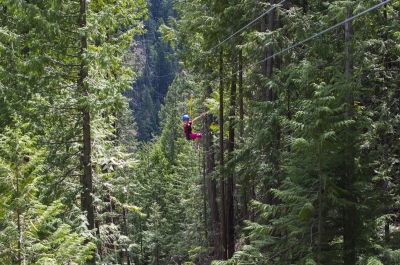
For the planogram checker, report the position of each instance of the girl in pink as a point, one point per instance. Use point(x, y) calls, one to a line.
point(187, 128)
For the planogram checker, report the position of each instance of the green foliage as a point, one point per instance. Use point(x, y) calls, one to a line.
point(296, 151)
point(58, 67)
point(155, 68)
point(43, 235)
point(315, 164)
point(168, 189)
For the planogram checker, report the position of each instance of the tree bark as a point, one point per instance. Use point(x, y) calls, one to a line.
point(128, 260)
point(349, 231)
point(245, 183)
point(269, 95)
point(386, 142)
point(87, 177)
point(241, 111)
point(221, 161)
point(19, 212)
point(268, 64)
point(230, 182)
point(212, 183)
point(205, 217)
point(320, 203)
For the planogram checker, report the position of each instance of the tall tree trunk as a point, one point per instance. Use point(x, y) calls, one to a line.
point(320, 202)
point(386, 142)
point(205, 217)
point(86, 178)
point(245, 184)
point(212, 183)
point(241, 111)
point(221, 161)
point(230, 183)
point(268, 64)
point(272, 96)
point(128, 260)
point(18, 215)
point(349, 230)
point(268, 95)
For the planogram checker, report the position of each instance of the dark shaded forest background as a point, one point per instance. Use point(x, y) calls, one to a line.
point(299, 159)
point(156, 65)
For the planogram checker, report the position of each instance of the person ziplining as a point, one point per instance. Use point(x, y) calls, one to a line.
point(188, 129)
point(188, 126)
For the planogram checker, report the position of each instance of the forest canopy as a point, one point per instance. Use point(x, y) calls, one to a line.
point(299, 154)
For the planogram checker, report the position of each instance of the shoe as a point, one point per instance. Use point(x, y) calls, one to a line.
point(196, 146)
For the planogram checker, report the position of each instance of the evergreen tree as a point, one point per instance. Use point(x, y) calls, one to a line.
point(157, 67)
point(70, 93)
point(300, 149)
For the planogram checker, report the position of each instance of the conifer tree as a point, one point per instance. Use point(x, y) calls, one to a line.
point(69, 92)
point(312, 157)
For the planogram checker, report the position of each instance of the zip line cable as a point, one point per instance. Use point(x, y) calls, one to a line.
point(240, 30)
point(232, 35)
point(306, 40)
point(276, 54)
point(249, 24)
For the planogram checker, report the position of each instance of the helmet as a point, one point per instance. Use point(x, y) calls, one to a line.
point(185, 117)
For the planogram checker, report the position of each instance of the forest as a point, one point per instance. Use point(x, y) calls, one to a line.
point(299, 160)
